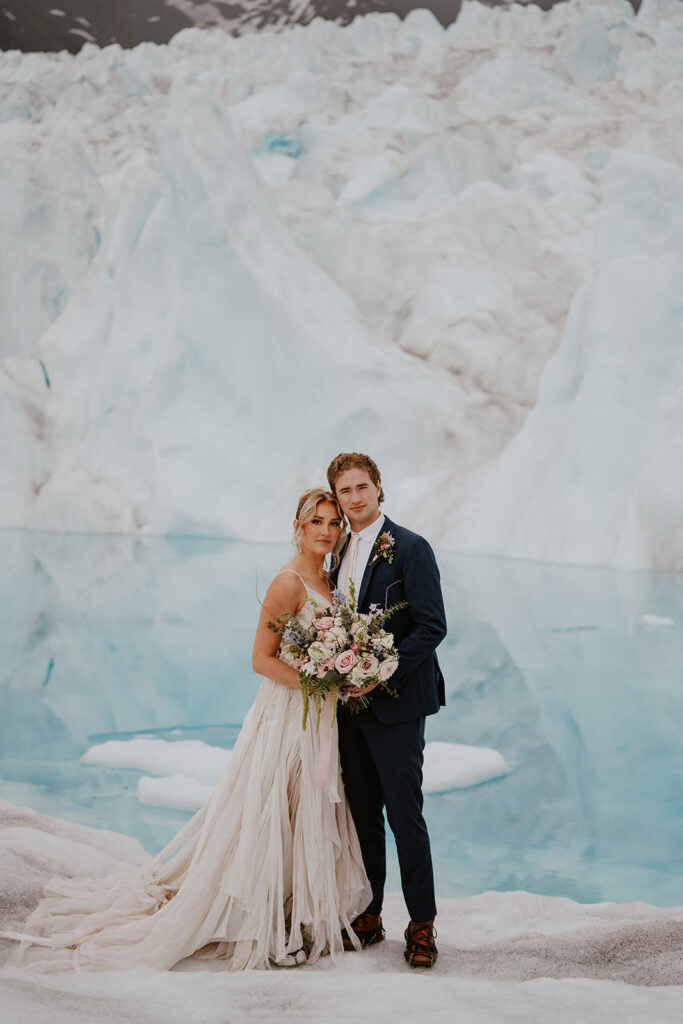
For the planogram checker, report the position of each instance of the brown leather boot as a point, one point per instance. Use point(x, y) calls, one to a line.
point(420, 948)
point(368, 928)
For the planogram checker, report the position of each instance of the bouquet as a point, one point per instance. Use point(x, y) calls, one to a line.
point(341, 651)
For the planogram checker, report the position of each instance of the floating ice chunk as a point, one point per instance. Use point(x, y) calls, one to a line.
point(190, 768)
point(181, 792)
point(190, 757)
point(456, 766)
point(656, 621)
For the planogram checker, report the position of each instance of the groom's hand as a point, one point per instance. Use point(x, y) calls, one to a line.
point(358, 691)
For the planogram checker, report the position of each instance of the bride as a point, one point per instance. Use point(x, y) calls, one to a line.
point(269, 871)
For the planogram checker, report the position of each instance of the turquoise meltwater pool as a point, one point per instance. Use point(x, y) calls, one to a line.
point(574, 674)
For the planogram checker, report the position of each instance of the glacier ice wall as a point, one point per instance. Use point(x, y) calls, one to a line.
point(609, 416)
point(226, 259)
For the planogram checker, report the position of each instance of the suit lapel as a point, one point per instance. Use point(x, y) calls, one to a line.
point(367, 574)
point(371, 564)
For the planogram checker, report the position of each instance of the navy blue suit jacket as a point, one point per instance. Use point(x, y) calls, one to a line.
point(413, 576)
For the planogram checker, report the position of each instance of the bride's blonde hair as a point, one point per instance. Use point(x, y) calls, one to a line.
point(305, 511)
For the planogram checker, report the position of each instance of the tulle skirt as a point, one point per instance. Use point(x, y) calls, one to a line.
point(269, 865)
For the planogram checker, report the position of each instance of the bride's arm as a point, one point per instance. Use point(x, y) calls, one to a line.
point(286, 594)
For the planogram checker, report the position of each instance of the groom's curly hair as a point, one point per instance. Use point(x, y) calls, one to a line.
point(354, 460)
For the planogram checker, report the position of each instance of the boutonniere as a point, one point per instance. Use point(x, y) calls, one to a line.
point(384, 547)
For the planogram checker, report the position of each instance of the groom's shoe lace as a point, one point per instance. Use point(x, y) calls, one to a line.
point(368, 929)
point(420, 948)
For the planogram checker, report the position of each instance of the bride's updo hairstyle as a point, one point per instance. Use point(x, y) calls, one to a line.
point(305, 511)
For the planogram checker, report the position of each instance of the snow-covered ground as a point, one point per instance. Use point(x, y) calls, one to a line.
point(503, 957)
point(226, 259)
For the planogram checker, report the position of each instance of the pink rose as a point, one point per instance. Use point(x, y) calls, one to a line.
point(345, 661)
point(325, 623)
point(355, 648)
point(369, 665)
point(387, 668)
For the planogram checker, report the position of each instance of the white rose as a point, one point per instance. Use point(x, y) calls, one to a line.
point(357, 677)
point(384, 641)
point(317, 652)
point(369, 665)
point(387, 669)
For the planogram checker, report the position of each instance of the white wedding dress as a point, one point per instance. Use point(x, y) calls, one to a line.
point(270, 864)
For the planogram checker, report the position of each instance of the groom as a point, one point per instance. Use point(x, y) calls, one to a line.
point(381, 748)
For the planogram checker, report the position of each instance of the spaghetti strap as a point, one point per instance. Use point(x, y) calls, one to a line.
point(309, 590)
point(296, 574)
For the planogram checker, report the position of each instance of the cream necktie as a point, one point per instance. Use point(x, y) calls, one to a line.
point(351, 563)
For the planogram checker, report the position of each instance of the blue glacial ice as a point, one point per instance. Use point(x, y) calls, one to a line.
point(233, 257)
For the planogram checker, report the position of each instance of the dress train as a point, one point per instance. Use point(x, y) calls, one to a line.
point(271, 863)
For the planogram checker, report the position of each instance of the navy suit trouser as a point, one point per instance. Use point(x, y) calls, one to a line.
point(382, 768)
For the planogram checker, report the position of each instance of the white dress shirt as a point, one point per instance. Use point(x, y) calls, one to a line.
point(366, 545)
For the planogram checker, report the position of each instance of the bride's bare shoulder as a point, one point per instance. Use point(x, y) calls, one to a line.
point(287, 586)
